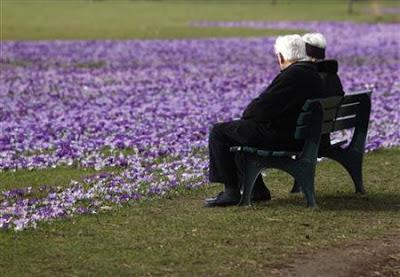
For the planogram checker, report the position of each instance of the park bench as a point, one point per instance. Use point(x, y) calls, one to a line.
point(318, 117)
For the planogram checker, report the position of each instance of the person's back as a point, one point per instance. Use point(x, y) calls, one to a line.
point(306, 85)
point(328, 70)
point(315, 44)
point(279, 105)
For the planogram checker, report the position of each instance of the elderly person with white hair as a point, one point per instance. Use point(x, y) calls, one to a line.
point(269, 121)
point(315, 44)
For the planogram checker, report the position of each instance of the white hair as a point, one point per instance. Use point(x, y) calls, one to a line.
point(291, 47)
point(315, 39)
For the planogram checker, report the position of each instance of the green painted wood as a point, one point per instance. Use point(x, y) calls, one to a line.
point(326, 103)
point(348, 109)
point(330, 114)
point(346, 123)
point(357, 97)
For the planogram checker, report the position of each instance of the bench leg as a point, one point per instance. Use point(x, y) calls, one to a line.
point(352, 162)
point(309, 193)
point(305, 177)
point(354, 167)
point(249, 180)
point(296, 188)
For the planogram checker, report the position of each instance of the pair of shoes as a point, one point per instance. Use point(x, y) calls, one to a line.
point(222, 200)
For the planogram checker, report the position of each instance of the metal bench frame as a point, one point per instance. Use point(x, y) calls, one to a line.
point(319, 116)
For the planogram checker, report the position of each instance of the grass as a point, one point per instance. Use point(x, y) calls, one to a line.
point(60, 176)
point(175, 235)
point(84, 19)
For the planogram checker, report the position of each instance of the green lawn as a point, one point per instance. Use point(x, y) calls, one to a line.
point(60, 176)
point(65, 19)
point(175, 235)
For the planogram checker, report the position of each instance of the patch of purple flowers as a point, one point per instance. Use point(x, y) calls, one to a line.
point(84, 103)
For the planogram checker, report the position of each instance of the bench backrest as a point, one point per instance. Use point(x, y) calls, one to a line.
point(333, 114)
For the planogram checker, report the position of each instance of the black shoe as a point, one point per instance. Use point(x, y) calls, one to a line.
point(222, 200)
point(212, 198)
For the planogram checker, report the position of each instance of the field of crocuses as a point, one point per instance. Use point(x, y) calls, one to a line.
point(147, 106)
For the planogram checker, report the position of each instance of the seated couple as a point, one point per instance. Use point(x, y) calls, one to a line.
point(269, 121)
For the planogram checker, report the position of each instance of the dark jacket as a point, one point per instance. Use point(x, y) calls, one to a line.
point(332, 87)
point(328, 71)
point(279, 105)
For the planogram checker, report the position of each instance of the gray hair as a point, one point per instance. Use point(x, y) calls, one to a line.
point(291, 47)
point(315, 39)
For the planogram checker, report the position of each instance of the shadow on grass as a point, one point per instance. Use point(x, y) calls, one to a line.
point(373, 202)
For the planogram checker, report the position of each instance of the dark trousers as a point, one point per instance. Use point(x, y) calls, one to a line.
point(225, 167)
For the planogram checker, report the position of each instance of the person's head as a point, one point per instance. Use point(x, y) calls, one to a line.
point(315, 44)
point(289, 49)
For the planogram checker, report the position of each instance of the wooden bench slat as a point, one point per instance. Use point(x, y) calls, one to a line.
point(340, 124)
point(346, 110)
point(339, 143)
point(330, 114)
point(327, 103)
point(266, 153)
point(246, 149)
point(352, 98)
point(263, 153)
point(345, 123)
point(327, 127)
point(305, 118)
point(304, 131)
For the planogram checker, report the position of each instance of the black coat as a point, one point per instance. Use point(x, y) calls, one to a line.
point(328, 71)
point(332, 87)
point(279, 105)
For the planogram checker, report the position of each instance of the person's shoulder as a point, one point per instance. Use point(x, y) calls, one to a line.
point(303, 66)
point(329, 66)
point(300, 70)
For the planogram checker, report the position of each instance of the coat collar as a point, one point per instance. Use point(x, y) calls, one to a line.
point(307, 64)
point(330, 66)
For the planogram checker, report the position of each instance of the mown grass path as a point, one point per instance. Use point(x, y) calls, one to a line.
point(367, 257)
point(175, 235)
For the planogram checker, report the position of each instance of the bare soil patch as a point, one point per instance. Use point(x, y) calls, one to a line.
point(366, 258)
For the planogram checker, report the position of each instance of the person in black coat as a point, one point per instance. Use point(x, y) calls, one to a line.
point(315, 44)
point(268, 122)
